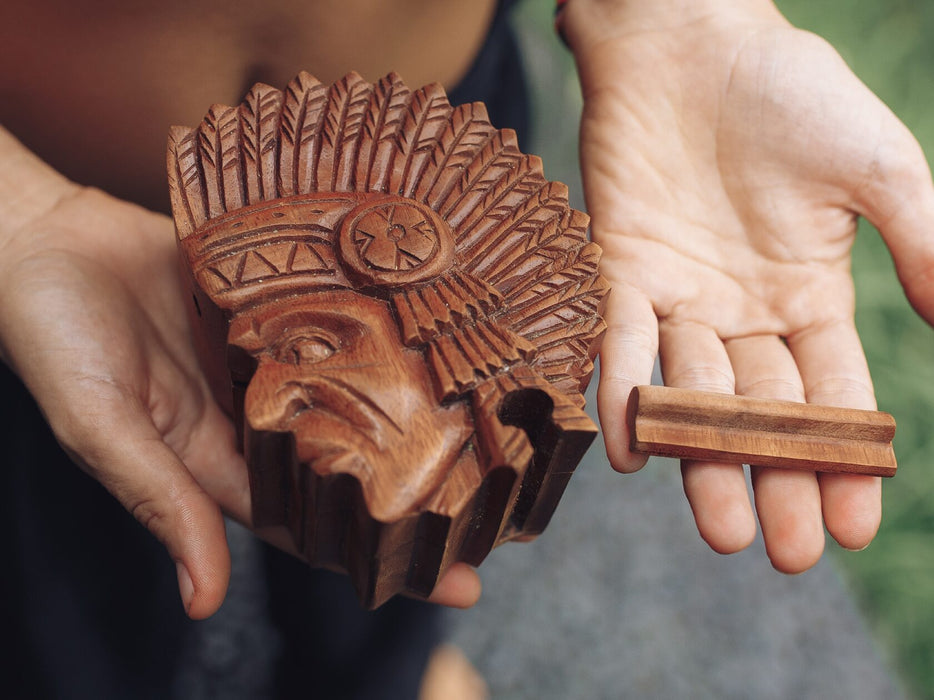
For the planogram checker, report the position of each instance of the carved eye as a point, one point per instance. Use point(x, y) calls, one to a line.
point(306, 349)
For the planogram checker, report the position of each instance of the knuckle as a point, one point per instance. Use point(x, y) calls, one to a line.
point(104, 403)
point(895, 171)
point(150, 515)
point(918, 278)
point(166, 515)
point(844, 392)
point(631, 339)
point(772, 388)
point(79, 437)
point(703, 378)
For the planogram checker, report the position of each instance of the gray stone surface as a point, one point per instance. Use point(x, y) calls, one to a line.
point(620, 598)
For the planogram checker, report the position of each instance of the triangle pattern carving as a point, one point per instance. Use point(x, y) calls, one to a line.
point(304, 258)
point(254, 267)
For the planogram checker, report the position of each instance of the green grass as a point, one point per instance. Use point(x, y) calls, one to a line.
point(888, 44)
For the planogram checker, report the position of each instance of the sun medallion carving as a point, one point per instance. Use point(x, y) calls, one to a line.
point(395, 241)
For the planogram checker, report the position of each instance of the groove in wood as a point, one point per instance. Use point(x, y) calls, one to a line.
point(687, 424)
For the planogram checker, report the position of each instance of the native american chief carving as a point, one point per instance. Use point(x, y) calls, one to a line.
point(400, 312)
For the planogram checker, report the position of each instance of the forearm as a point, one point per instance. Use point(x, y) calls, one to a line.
point(28, 189)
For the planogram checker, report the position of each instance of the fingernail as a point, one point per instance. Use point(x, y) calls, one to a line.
point(185, 585)
point(857, 549)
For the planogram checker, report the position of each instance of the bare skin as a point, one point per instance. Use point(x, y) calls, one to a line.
point(92, 317)
point(726, 158)
point(725, 155)
point(93, 87)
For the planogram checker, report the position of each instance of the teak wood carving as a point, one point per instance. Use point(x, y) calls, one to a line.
point(399, 311)
point(702, 425)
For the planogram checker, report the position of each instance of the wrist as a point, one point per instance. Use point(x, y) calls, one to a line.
point(585, 23)
point(29, 188)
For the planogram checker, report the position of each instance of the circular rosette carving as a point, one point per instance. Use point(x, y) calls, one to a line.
point(393, 242)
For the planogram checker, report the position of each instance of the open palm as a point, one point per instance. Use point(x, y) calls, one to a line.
point(725, 164)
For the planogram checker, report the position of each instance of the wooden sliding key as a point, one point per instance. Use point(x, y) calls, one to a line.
point(701, 425)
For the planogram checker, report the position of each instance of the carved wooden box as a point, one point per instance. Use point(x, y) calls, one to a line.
point(399, 311)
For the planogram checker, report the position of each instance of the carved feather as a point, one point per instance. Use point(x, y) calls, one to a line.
point(499, 158)
point(551, 262)
point(211, 157)
point(568, 340)
point(502, 198)
point(384, 117)
point(299, 134)
point(565, 356)
point(559, 302)
point(466, 133)
point(425, 120)
point(347, 102)
point(186, 188)
point(259, 123)
point(231, 164)
point(523, 229)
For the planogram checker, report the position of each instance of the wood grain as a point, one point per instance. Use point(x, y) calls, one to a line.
point(688, 424)
point(399, 311)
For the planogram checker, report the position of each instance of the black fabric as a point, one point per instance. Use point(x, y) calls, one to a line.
point(89, 598)
point(89, 601)
point(497, 78)
point(367, 656)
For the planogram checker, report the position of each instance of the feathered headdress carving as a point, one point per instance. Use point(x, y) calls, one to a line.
point(396, 194)
point(515, 238)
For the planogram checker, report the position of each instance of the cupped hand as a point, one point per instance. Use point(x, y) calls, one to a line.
point(726, 159)
point(92, 319)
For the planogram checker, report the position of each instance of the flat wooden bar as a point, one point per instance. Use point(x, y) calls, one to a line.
point(721, 427)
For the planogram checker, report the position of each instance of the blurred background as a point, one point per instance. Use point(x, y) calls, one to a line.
point(888, 43)
point(620, 598)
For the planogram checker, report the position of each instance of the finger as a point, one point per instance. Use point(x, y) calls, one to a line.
point(460, 587)
point(693, 357)
point(788, 501)
point(898, 199)
point(221, 469)
point(155, 486)
point(834, 371)
point(626, 360)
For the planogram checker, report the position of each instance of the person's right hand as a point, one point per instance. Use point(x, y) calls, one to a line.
point(92, 319)
point(92, 322)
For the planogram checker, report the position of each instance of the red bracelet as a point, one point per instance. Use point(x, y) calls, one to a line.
point(559, 20)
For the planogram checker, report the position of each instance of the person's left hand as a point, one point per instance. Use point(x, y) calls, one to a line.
point(726, 158)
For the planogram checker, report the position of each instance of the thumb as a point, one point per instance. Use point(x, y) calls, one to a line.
point(153, 484)
point(898, 199)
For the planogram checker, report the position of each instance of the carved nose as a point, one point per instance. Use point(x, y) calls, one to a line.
point(265, 404)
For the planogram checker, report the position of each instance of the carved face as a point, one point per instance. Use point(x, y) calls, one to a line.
point(333, 371)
